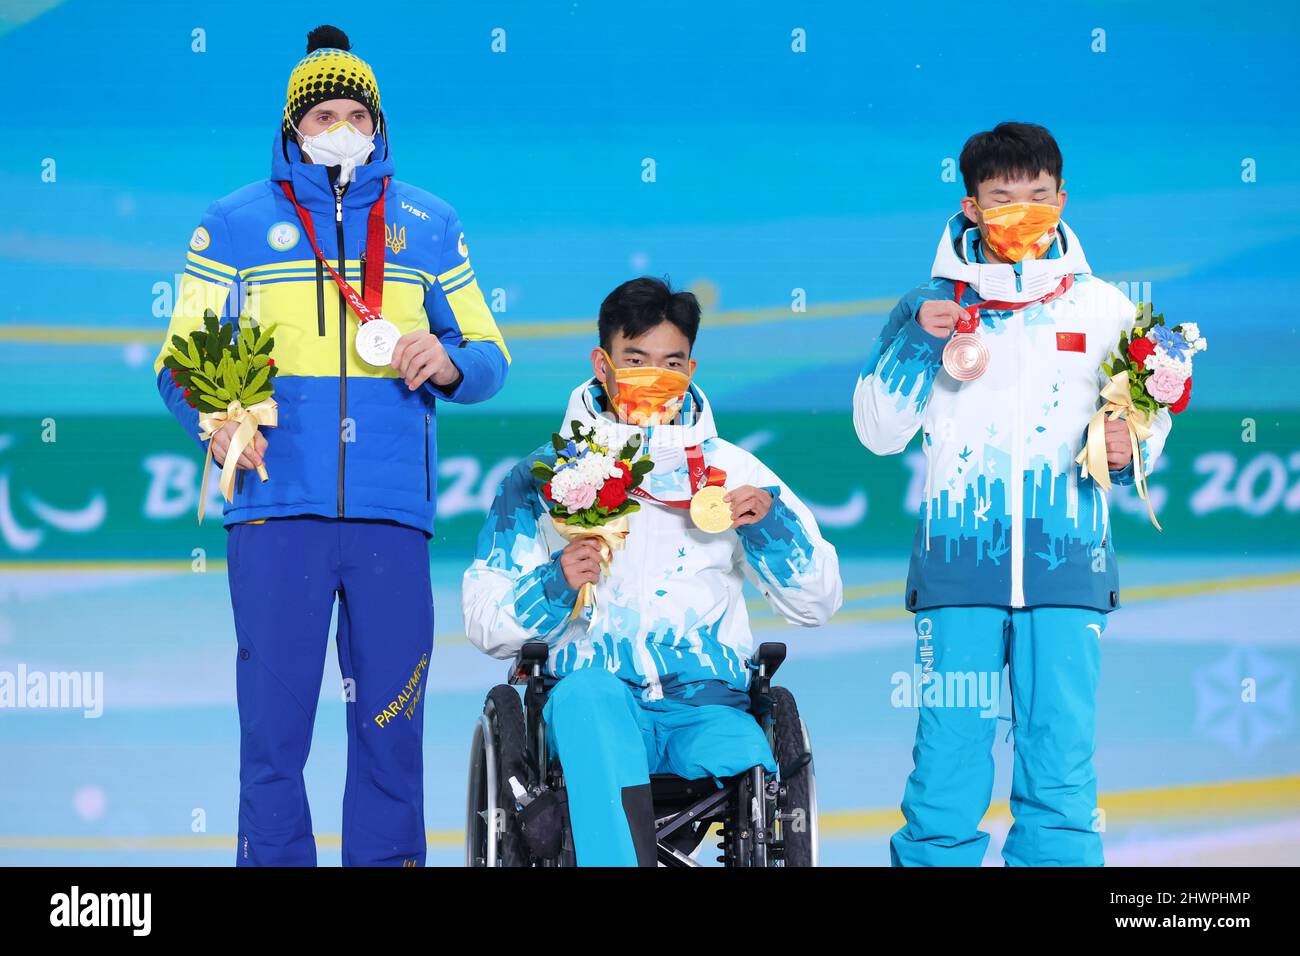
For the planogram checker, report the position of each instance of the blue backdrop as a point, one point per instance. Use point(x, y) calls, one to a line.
point(826, 173)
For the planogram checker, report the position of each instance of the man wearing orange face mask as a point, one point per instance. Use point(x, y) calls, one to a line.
point(654, 679)
point(997, 362)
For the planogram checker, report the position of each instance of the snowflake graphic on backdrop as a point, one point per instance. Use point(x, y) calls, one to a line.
point(1225, 713)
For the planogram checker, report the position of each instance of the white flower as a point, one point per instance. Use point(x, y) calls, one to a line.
point(602, 432)
point(1191, 332)
point(1162, 359)
point(1201, 345)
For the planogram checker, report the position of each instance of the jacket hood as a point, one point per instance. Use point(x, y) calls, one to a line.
point(666, 444)
point(311, 182)
point(1005, 282)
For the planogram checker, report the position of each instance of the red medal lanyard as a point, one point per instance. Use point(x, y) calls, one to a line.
point(701, 475)
point(373, 282)
point(966, 326)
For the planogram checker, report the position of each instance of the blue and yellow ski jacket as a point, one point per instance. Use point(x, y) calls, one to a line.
point(352, 440)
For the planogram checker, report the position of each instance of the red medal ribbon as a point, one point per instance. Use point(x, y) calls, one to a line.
point(973, 310)
point(701, 475)
point(368, 308)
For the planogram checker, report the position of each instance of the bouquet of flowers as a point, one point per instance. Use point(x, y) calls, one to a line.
point(1151, 370)
point(227, 378)
point(588, 491)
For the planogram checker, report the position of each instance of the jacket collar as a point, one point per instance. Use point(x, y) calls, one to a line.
point(1018, 282)
point(312, 185)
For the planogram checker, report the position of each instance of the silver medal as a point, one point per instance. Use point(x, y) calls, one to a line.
point(376, 340)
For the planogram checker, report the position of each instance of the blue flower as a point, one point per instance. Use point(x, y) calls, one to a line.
point(1172, 342)
point(570, 450)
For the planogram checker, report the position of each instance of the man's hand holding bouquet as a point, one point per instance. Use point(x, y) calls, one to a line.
point(587, 492)
point(1151, 370)
point(227, 379)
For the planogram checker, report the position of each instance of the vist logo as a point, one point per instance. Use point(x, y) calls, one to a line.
point(282, 237)
point(461, 247)
point(395, 236)
point(200, 240)
point(413, 211)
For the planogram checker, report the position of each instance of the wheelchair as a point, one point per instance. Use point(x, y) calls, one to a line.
point(517, 812)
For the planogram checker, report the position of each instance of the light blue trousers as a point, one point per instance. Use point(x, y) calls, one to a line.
point(609, 741)
point(1054, 657)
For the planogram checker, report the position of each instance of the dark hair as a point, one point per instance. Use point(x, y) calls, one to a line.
point(1013, 150)
point(638, 305)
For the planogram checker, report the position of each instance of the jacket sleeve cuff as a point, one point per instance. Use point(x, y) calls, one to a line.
point(755, 533)
point(1126, 475)
point(555, 586)
point(180, 409)
point(931, 345)
point(482, 371)
point(452, 387)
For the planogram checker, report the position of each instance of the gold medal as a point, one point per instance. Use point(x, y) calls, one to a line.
point(709, 512)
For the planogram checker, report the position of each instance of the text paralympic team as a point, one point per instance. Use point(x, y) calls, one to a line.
point(1012, 566)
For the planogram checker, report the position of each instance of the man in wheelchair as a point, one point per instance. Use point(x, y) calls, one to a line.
point(654, 677)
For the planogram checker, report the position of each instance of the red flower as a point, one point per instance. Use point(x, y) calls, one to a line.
point(612, 493)
point(270, 361)
point(186, 393)
point(1140, 349)
point(546, 491)
point(627, 472)
point(1179, 405)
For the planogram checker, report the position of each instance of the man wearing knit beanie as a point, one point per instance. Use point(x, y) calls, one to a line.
point(377, 317)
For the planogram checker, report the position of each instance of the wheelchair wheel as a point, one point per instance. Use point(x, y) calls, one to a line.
point(795, 823)
point(497, 752)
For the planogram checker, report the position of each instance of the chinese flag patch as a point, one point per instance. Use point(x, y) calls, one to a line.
point(1071, 342)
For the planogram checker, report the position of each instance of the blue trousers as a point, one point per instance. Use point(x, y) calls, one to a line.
point(285, 575)
point(609, 741)
point(1053, 655)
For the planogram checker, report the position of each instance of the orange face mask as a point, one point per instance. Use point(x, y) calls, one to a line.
point(1020, 230)
point(645, 394)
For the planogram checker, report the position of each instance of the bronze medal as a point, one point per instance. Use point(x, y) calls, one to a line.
point(965, 356)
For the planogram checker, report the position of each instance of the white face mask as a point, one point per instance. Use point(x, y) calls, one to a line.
point(341, 145)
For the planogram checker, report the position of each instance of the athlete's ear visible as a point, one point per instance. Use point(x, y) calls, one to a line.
point(598, 366)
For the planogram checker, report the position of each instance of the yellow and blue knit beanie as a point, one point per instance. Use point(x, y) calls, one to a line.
point(329, 72)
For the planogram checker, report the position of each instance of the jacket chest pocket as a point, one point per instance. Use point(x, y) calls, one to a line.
point(403, 302)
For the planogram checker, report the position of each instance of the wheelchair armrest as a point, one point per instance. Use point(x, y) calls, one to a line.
point(764, 663)
point(769, 656)
point(532, 656)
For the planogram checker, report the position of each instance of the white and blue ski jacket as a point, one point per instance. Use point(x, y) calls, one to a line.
point(1005, 518)
point(670, 615)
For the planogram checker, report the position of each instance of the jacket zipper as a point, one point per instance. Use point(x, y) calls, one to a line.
point(930, 465)
point(343, 342)
point(1105, 515)
point(320, 298)
point(1018, 476)
point(428, 485)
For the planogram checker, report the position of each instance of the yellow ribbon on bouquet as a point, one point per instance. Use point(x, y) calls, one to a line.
point(611, 534)
point(1092, 459)
point(262, 414)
